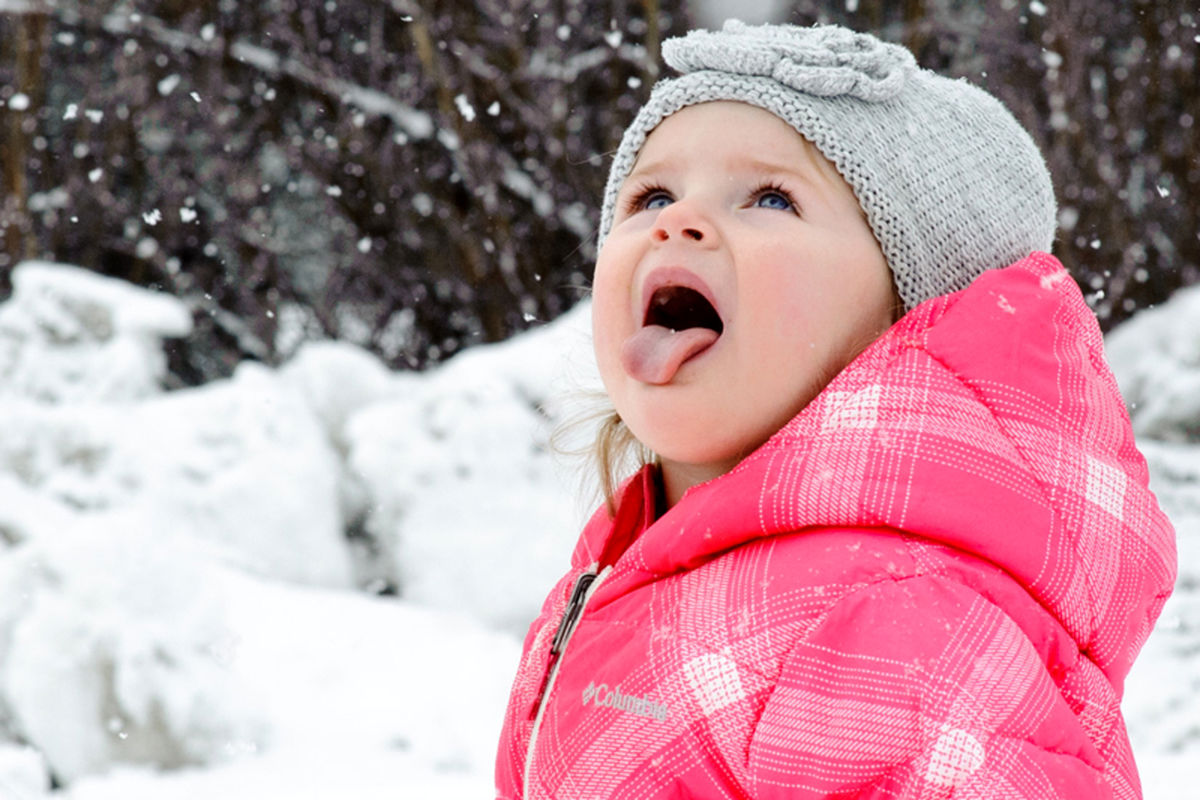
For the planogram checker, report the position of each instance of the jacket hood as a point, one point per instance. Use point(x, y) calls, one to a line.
point(986, 420)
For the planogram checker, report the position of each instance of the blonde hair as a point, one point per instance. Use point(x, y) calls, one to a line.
point(611, 453)
point(614, 448)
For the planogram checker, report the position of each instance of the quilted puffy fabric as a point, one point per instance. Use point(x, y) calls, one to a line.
point(931, 583)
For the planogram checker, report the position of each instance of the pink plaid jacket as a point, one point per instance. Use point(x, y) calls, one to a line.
point(931, 583)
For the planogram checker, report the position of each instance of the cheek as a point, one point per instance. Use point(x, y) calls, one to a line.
point(610, 304)
point(605, 287)
point(788, 306)
point(814, 313)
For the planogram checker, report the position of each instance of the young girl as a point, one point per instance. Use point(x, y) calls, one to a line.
point(895, 539)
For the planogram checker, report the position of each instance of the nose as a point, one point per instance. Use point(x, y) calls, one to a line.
point(683, 221)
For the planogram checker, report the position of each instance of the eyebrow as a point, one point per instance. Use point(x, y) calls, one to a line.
point(750, 164)
point(815, 168)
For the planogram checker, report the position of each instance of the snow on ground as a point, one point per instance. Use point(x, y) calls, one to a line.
point(357, 697)
point(1156, 358)
point(181, 613)
point(311, 582)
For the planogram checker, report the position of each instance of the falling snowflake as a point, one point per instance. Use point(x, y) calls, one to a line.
point(168, 84)
point(465, 108)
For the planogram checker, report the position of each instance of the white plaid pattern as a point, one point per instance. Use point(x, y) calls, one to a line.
point(956, 756)
point(714, 682)
point(858, 409)
point(1106, 487)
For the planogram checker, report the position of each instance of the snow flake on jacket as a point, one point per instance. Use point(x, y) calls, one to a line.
point(931, 583)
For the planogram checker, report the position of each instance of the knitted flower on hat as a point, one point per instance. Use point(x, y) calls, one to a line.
point(950, 183)
point(827, 61)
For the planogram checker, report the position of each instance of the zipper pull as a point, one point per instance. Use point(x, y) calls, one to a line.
point(571, 613)
point(567, 624)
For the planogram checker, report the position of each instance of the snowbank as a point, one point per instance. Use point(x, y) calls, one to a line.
point(160, 552)
point(23, 773)
point(364, 697)
point(68, 336)
point(470, 505)
point(112, 648)
point(240, 467)
point(1156, 358)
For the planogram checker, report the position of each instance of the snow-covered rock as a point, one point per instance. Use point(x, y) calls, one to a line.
point(114, 650)
point(241, 466)
point(245, 468)
point(68, 335)
point(337, 380)
point(120, 652)
point(470, 503)
point(23, 774)
point(1156, 358)
point(365, 698)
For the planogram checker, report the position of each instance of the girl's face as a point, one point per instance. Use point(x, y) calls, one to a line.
point(738, 278)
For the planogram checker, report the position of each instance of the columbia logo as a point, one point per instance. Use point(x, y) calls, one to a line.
point(603, 696)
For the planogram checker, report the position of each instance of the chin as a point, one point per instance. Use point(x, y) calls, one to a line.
point(716, 457)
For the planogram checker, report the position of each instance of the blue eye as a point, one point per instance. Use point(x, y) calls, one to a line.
point(656, 201)
point(773, 200)
point(651, 197)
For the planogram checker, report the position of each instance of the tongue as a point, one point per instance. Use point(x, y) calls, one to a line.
point(654, 354)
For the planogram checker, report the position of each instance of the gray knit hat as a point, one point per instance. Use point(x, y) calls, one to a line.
point(950, 183)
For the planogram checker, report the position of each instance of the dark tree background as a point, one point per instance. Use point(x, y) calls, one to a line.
point(412, 177)
point(417, 177)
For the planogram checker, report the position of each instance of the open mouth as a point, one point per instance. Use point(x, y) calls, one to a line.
point(680, 323)
point(679, 308)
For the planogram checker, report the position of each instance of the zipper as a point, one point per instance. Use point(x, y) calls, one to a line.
point(584, 587)
point(566, 625)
